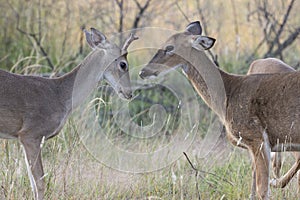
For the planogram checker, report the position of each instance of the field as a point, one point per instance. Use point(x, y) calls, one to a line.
point(72, 173)
point(96, 155)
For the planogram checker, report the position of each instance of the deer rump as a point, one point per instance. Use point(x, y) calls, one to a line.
point(274, 105)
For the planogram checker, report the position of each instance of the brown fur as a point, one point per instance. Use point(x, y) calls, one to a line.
point(262, 111)
point(273, 65)
point(269, 65)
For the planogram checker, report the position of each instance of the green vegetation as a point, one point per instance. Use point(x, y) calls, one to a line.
point(44, 37)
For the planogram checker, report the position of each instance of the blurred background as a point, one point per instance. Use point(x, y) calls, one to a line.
point(47, 34)
point(44, 37)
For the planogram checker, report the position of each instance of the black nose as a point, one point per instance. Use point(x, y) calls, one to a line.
point(129, 96)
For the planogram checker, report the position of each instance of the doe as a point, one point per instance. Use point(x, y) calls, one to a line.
point(33, 108)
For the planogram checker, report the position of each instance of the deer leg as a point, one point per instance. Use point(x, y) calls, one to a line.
point(253, 186)
point(32, 150)
point(297, 157)
point(276, 163)
point(285, 179)
point(298, 181)
point(262, 164)
point(261, 154)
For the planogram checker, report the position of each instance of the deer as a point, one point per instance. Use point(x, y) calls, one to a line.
point(259, 111)
point(34, 109)
point(274, 65)
point(269, 65)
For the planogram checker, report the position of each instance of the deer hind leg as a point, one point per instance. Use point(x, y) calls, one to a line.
point(276, 163)
point(285, 179)
point(297, 157)
point(261, 164)
point(32, 150)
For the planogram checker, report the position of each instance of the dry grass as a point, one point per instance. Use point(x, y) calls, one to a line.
point(72, 173)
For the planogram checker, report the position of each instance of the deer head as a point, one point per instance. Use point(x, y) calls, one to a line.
point(169, 56)
point(116, 73)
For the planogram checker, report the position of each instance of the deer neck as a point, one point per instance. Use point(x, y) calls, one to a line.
point(76, 85)
point(211, 83)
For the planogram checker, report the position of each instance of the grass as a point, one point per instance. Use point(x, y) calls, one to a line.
point(72, 173)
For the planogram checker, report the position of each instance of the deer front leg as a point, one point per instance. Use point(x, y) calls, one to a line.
point(261, 158)
point(32, 150)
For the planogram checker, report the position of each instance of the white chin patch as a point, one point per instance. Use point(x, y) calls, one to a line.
point(171, 69)
point(151, 77)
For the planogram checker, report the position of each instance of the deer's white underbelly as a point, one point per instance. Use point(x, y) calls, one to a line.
point(6, 136)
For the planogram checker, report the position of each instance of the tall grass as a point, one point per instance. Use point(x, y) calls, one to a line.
point(73, 174)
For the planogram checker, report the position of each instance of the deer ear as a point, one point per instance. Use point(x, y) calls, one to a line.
point(94, 38)
point(88, 37)
point(97, 37)
point(194, 28)
point(203, 42)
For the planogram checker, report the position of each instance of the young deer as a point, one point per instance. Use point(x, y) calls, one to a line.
point(260, 111)
point(273, 65)
point(33, 108)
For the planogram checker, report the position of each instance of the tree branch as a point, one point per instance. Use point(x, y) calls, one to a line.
point(201, 171)
point(121, 17)
point(287, 42)
point(141, 12)
point(181, 11)
point(34, 36)
point(281, 28)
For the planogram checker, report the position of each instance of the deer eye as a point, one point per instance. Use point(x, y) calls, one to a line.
point(169, 48)
point(123, 65)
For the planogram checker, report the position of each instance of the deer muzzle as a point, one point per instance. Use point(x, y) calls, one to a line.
point(147, 73)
